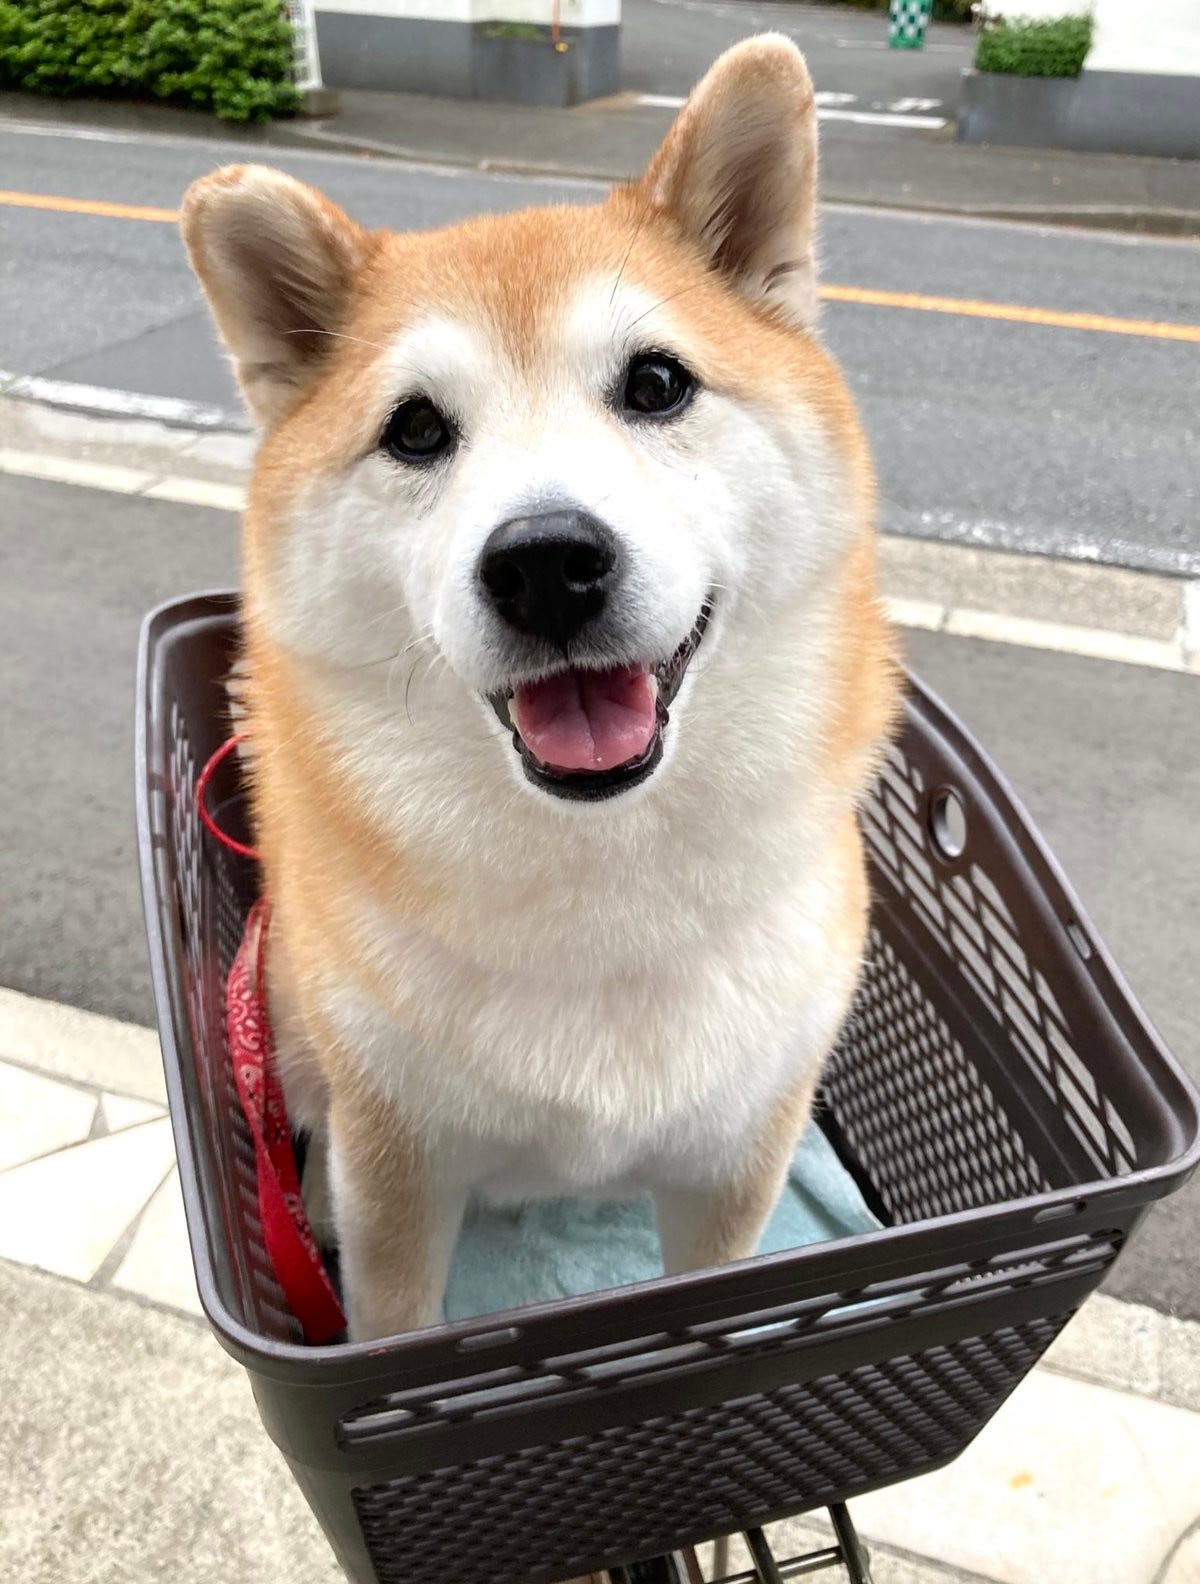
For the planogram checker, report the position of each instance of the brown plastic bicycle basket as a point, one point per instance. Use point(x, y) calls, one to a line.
point(999, 1098)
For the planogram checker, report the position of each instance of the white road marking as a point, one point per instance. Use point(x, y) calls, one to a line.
point(883, 118)
point(71, 470)
point(1191, 622)
point(925, 614)
point(59, 469)
point(904, 106)
point(827, 110)
point(1092, 642)
point(198, 492)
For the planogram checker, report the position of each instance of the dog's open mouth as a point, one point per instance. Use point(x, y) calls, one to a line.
point(587, 734)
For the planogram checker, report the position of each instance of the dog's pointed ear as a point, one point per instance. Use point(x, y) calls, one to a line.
point(738, 173)
point(276, 260)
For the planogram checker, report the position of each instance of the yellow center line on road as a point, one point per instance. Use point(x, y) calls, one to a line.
point(88, 206)
point(1014, 313)
point(918, 302)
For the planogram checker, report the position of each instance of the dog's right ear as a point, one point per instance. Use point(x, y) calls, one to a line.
point(276, 260)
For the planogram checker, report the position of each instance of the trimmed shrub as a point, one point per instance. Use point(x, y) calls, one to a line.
point(1036, 49)
point(230, 56)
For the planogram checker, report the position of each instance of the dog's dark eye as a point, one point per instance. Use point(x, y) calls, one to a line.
point(417, 431)
point(656, 386)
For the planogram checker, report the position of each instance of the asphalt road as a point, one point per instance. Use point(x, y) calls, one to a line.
point(1018, 435)
point(1104, 756)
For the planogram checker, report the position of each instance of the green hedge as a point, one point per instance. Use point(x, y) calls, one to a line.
point(1036, 49)
point(230, 56)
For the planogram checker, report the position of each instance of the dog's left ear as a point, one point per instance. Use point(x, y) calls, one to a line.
point(738, 173)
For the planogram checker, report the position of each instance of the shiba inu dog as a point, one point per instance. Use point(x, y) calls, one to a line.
point(565, 673)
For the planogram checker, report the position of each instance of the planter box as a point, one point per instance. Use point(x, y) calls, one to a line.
point(531, 71)
point(466, 60)
point(1098, 112)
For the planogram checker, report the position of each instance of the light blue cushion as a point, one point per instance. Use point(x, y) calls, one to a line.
point(563, 1247)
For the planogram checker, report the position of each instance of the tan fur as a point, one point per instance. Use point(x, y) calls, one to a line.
point(719, 235)
point(866, 700)
point(399, 1225)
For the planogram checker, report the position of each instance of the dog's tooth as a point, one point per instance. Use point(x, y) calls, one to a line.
point(654, 683)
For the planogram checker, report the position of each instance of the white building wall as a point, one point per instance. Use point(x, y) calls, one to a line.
point(571, 13)
point(1037, 10)
point(1147, 36)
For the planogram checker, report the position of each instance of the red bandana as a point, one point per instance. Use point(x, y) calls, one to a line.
point(287, 1236)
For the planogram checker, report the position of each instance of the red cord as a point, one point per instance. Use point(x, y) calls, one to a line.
point(206, 819)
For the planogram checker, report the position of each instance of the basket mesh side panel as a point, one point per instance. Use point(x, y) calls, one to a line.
point(912, 1102)
point(212, 897)
point(636, 1489)
point(931, 1133)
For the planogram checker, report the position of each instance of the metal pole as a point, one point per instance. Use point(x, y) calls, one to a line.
point(854, 1553)
point(306, 56)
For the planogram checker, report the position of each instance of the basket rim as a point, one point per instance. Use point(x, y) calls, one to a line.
point(950, 1236)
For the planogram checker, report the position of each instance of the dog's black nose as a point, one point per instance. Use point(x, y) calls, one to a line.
point(548, 575)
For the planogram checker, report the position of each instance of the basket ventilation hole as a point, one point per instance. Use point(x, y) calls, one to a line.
point(948, 824)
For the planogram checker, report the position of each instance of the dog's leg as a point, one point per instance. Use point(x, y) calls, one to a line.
point(397, 1220)
point(723, 1221)
point(698, 1227)
point(315, 1190)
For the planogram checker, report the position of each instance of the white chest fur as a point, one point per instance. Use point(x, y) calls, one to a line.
point(578, 1060)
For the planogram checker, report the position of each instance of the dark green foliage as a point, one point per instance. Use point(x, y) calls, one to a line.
point(230, 56)
point(1036, 49)
point(518, 30)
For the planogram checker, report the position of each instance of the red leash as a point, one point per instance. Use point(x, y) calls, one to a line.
point(210, 825)
point(287, 1235)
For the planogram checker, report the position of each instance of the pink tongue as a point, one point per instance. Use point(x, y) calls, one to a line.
point(587, 720)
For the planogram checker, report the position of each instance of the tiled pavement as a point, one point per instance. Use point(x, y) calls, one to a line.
point(88, 1186)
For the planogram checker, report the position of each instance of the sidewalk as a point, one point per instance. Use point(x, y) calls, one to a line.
point(612, 140)
point(135, 1452)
